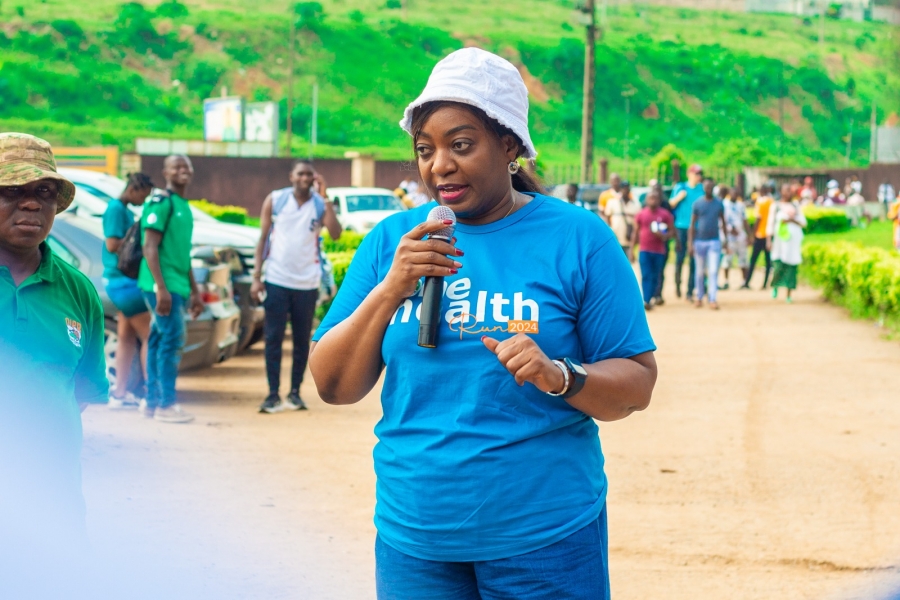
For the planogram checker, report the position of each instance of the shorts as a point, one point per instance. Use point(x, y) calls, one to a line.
point(125, 294)
point(737, 251)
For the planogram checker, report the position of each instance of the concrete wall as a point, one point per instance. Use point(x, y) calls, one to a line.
point(247, 181)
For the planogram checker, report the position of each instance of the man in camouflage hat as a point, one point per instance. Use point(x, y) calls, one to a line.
point(52, 364)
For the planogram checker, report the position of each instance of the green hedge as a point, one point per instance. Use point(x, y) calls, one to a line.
point(348, 242)
point(825, 220)
point(226, 214)
point(865, 280)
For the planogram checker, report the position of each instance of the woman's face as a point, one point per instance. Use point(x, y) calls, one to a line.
point(463, 164)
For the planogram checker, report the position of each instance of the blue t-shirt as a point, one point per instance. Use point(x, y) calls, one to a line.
point(682, 212)
point(471, 466)
point(116, 221)
point(709, 218)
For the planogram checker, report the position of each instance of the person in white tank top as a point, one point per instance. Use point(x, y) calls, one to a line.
point(288, 254)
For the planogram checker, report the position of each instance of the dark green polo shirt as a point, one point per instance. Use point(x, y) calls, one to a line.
point(51, 359)
point(173, 218)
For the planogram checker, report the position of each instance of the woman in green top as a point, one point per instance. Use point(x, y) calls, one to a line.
point(133, 319)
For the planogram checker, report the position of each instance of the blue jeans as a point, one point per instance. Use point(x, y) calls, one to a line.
point(575, 568)
point(707, 254)
point(680, 255)
point(652, 265)
point(164, 351)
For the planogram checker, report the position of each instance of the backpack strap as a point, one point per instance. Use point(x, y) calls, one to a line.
point(280, 199)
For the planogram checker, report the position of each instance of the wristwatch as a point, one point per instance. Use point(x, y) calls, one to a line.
point(574, 375)
point(577, 376)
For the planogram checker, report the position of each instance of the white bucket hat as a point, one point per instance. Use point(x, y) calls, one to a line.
point(481, 79)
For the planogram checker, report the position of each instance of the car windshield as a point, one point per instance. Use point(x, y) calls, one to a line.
point(373, 202)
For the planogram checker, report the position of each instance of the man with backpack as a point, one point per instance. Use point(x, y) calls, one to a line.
point(291, 221)
point(167, 281)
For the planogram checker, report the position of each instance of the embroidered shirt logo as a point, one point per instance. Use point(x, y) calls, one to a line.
point(74, 330)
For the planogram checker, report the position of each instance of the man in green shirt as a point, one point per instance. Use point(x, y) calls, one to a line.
point(52, 363)
point(167, 282)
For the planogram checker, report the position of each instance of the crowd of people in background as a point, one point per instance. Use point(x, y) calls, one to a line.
point(716, 228)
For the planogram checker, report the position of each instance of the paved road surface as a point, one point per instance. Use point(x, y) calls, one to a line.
point(767, 466)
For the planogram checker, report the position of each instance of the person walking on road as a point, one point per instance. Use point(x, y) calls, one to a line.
point(886, 195)
point(654, 227)
point(620, 213)
point(615, 183)
point(736, 233)
point(457, 512)
point(785, 232)
point(133, 320)
point(167, 281)
point(52, 365)
point(291, 221)
point(684, 195)
point(705, 243)
point(763, 206)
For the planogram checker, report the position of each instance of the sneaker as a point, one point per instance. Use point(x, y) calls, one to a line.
point(129, 402)
point(272, 404)
point(294, 402)
point(173, 414)
point(144, 410)
point(659, 301)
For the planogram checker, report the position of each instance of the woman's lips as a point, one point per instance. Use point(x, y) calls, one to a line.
point(452, 193)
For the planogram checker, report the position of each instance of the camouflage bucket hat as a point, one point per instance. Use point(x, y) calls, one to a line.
point(25, 158)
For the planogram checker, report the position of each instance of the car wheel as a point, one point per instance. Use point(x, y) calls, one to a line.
point(110, 345)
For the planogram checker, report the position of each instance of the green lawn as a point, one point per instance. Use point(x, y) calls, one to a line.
point(878, 235)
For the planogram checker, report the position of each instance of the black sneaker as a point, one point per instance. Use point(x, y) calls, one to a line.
point(272, 404)
point(294, 402)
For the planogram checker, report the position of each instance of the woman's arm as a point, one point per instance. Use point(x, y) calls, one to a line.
point(614, 389)
point(347, 361)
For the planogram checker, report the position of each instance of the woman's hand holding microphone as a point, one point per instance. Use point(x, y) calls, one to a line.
point(416, 257)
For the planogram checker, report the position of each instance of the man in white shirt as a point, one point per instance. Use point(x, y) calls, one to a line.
point(620, 212)
point(288, 247)
point(886, 195)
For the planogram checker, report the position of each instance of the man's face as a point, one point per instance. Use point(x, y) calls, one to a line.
point(572, 193)
point(302, 176)
point(694, 177)
point(178, 170)
point(26, 213)
point(708, 186)
point(616, 182)
point(652, 199)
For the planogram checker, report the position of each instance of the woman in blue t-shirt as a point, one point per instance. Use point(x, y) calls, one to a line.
point(133, 320)
point(490, 473)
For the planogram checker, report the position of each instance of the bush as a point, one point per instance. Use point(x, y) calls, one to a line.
point(863, 279)
point(226, 214)
point(349, 241)
point(340, 262)
point(825, 220)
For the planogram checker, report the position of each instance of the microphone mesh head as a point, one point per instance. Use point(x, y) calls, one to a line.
point(443, 213)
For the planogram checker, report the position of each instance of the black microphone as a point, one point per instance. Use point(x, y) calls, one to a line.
point(433, 291)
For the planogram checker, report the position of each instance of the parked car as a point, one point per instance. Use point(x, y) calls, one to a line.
point(360, 209)
point(210, 338)
point(589, 193)
point(94, 190)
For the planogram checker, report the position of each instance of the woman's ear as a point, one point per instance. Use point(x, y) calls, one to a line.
point(510, 146)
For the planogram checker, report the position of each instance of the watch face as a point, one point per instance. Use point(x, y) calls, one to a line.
point(576, 367)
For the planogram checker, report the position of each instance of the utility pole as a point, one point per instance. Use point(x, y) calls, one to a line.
point(314, 132)
point(781, 114)
point(873, 135)
point(627, 93)
point(822, 5)
point(290, 94)
point(587, 105)
point(849, 143)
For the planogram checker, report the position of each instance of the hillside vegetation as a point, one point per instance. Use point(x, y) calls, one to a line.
point(711, 83)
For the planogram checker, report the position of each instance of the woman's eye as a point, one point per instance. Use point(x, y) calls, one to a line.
point(421, 150)
point(461, 145)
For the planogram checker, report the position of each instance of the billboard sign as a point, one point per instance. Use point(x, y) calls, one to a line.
point(223, 119)
point(261, 122)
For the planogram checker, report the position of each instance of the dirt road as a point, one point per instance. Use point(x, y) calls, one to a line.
point(767, 466)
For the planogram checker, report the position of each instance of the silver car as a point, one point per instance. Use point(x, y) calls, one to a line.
point(210, 338)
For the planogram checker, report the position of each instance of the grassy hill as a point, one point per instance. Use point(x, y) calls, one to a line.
point(709, 82)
